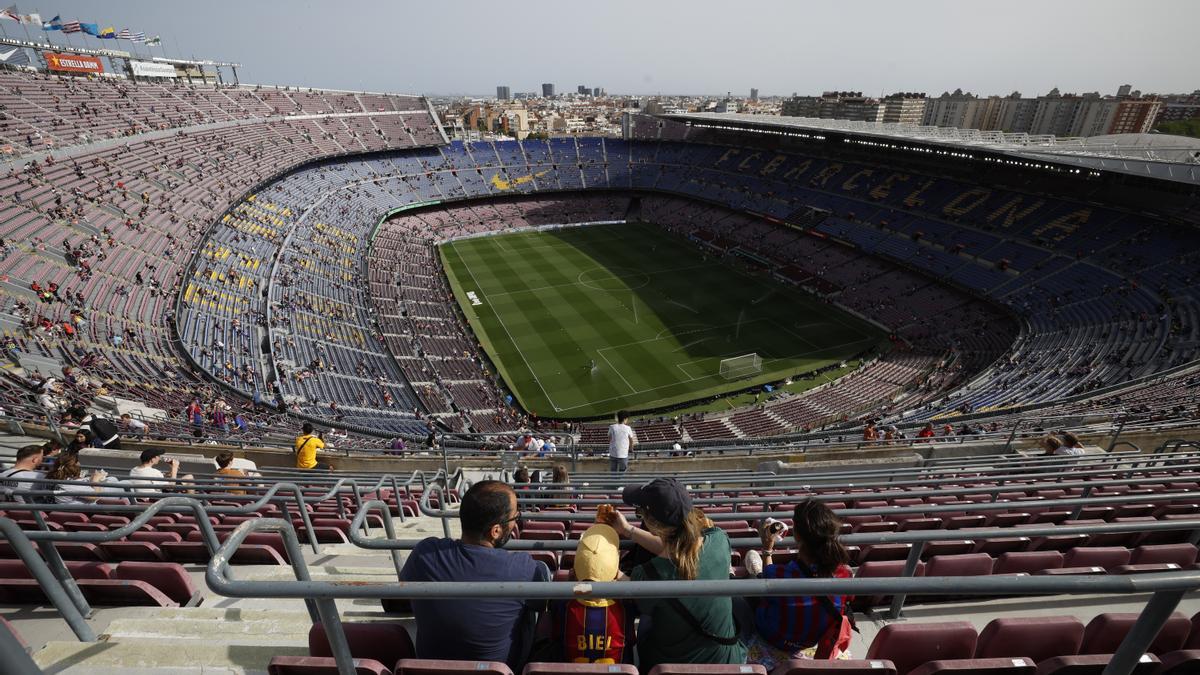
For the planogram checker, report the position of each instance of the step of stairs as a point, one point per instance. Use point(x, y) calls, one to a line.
point(169, 656)
point(197, 639)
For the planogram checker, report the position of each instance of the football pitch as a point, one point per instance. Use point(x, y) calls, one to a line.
point(584, 321)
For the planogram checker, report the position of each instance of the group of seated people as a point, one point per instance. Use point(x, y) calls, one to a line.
point(675, 541)
point(40, 469)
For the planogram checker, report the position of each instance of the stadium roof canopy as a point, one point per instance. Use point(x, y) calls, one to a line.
point(1163, 156)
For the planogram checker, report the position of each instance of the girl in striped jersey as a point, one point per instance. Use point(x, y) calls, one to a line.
point(790, 628)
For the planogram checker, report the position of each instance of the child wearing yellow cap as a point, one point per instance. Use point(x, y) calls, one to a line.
point(593, 630)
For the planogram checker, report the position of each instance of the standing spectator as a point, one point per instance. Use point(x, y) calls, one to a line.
point(307, 444)
point(870, 433)
point(82, 440)
point(22, 475)
point(194, 413)
point(926, 431)
point(134, 426)
point(685, 545)
point(220, 415)
point(790, 627)
point(484, 629)
point(621, 439)
point(104, 431)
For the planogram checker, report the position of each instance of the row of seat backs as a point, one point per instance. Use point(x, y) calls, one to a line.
point(904, 647)
point(1040, 639)
point(130, 582)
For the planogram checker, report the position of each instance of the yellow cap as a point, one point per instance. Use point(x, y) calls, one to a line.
point(597, 554)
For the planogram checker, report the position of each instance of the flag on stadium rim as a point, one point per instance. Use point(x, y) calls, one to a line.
point(35, 18)
point(90, 28)
point(72, 27)
point(109, 33)
point(125, 34)
point(53, 24)
point(154, 41)
point(10, 13)
point(138, 37)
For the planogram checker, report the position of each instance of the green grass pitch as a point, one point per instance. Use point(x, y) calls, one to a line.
point(652, 312)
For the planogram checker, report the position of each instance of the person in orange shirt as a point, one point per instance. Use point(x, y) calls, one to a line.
point(224, 460)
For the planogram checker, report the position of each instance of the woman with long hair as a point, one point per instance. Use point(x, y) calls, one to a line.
point(684, 545)
point(790, 627)
point(68, 468)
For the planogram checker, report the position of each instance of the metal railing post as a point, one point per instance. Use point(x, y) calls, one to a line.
point(1013, 434)
point(1116, 434)
point(396, 496)
point(910, 570)
point(1153, 617)
point(1087, 492)
point(16, 660)
point(327, 609)
point(55, 562)
point(50, 586)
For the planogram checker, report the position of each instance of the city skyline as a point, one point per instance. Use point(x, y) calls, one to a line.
point(670, 48)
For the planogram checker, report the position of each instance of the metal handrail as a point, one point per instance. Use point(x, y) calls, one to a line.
point(1168, 589)
point(175, 502)
point(579, 497)
point(921, 476)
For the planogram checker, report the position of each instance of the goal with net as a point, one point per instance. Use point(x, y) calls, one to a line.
point(737, 367)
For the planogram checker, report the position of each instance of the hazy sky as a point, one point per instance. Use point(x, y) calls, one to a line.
point(677, 46)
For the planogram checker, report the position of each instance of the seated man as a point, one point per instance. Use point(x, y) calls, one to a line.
point(146, 474)
point(23, 475)
point(484, 629)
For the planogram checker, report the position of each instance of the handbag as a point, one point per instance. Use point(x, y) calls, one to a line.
point(836, 640)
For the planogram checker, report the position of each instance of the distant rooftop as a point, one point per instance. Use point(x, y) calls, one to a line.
point(1164, 156)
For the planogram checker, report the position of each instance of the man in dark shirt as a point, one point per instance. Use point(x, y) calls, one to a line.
point(499, 629)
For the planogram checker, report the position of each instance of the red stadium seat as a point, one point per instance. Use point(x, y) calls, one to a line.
point(1038, 638)
point(382, 642)
point(909, 645)
point(318, 665)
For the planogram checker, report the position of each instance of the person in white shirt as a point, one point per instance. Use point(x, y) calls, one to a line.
point(135, 426)
point(22, 475)
point(621, 440)
point(146, 474)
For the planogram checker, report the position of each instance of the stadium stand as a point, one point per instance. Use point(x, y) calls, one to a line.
point(226, 261)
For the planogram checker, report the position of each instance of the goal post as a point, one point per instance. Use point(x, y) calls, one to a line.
point(737, 367)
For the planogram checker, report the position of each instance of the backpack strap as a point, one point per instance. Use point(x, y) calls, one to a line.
point(688, 617)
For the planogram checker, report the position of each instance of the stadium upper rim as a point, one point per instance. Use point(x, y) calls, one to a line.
point(1161, 156)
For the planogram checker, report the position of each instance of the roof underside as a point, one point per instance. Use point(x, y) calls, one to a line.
point(1162, 156)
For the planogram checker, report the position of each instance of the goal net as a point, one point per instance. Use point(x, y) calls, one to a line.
point(741, 366)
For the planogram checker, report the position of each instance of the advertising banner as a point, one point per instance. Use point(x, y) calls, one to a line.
point(74, 63)
point(152, 69)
